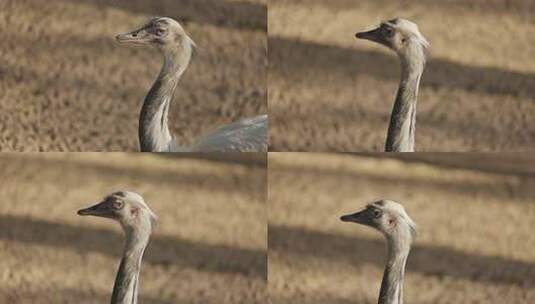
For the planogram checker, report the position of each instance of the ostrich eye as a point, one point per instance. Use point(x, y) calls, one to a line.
point(159, 32)
point(376, 213)
point(117, 205)
point(387, 31)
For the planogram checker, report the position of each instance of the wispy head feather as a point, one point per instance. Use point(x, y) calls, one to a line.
point(399, 210)
point(133, 196)
point(411, 30)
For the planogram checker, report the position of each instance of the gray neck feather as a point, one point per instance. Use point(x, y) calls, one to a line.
point(392, 283)
point(154, 134)
point(400, 137)
point(125, 289)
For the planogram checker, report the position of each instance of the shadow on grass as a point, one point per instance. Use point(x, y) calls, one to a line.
point(67, 295)
point(163, 250)
point(309, 298)
point(250, 182)
point(245, 159)
point(436, 261)
point(234, 14)
point(519, 164)
point(295, 60)
point(524, 8)
point(494, 189)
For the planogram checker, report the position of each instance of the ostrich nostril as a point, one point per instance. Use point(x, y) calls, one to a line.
point(134, 35)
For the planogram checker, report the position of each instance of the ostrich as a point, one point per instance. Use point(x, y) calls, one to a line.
point(399, 230)
point(172, 41)
point(404, 38)
point(137, 221)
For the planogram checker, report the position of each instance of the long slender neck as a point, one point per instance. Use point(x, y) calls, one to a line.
point(392, 284)
point(125, 288)
point(154, 134)
point(400, 137)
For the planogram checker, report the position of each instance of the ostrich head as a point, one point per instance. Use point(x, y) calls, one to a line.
point(164, 33)
point(387, 217)
point(398, 34)
point(128, 208)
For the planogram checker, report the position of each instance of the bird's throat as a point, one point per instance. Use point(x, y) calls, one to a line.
point(125, 289)
point(402, 127)
point(154, 134)
point(394, 273)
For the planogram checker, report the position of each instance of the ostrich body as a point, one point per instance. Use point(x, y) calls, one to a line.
point(168, 36)
point(137, 221)
point(389, 218)
point(403, 37)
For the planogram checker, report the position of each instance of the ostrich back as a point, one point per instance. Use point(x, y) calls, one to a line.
point(246, 135)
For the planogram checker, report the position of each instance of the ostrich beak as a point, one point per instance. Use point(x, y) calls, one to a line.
point(100, 209)
point(373, 35)
point(138, 36)
point(360, 217)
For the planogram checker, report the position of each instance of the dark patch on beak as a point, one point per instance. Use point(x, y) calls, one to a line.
point(373, 35)
point(361, 217)
point(101, 209)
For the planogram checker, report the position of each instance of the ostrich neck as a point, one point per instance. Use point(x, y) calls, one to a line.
point(126, 287)
point(154, 134)
point(392, 284)
point(400, 137)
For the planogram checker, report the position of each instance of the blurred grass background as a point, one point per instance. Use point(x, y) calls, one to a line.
point(209, 247)
point(331, 92)
point(66, 85)
point(475, 215)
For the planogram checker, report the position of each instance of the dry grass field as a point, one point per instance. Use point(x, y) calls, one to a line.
point(475, 215)
point(66, 85)
point(330, 92)
point(210, 246)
